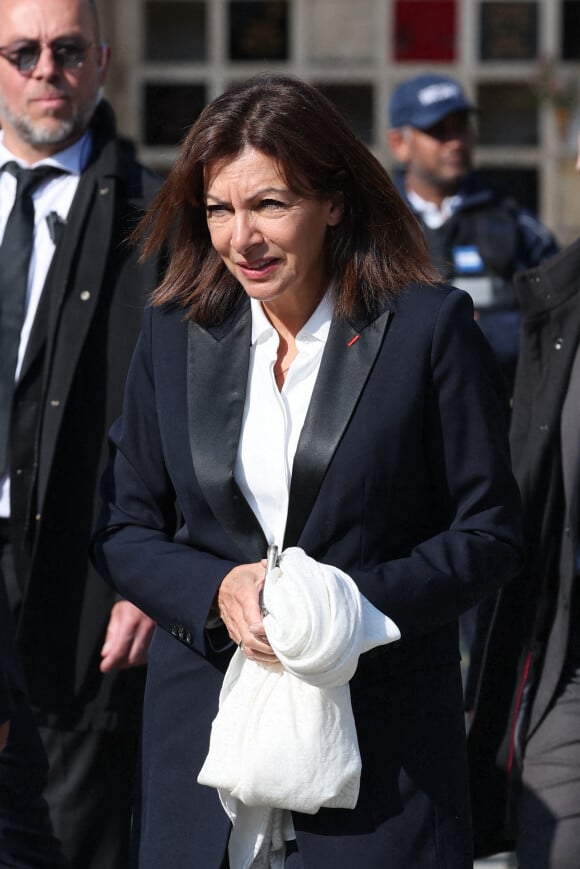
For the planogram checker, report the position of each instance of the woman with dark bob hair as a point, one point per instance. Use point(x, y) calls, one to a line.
point(310, 482)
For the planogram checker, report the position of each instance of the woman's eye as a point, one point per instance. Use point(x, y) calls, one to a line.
point(215, 210)
point(271, 204)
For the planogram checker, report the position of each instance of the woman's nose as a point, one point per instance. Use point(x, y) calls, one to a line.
point(244, 232)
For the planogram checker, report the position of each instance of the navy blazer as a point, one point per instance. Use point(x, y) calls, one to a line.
point(401, 478)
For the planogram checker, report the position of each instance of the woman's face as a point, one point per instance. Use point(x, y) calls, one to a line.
point(270, 238)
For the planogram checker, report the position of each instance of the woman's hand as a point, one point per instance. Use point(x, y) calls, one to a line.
point(239, 607)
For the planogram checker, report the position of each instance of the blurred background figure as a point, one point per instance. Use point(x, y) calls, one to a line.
point(478, 236)
point(524, 741)
point(71, 296)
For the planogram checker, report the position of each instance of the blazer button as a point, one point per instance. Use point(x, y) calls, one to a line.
point(174, 630)
point(181, 632)
point(189, 638)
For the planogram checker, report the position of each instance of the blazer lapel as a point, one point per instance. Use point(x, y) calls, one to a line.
point(217, 371)
point(348, 358)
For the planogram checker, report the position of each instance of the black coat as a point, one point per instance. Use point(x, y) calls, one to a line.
point(529, 634)
point(392, 484)
point(69, 392)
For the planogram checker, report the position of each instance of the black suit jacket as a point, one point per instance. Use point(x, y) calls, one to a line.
point(69, 391)
point(401, 478)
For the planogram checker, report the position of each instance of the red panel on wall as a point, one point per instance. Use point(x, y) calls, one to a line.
point(425, 30)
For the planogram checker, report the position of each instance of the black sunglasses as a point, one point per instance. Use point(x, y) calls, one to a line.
point(67, 53)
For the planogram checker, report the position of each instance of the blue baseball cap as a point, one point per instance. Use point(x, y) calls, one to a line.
point(424, 100)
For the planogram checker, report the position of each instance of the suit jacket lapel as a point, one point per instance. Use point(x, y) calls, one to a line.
point(58, 276)
point(217, 372)
point(348, 358)
point(74, 298)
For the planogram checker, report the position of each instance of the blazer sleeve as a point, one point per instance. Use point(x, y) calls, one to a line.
point(478, 542)
point(136, 545)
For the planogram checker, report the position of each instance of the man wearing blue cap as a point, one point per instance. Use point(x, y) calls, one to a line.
point(478, 236)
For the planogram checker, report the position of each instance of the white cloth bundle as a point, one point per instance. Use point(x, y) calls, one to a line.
point(284, 737)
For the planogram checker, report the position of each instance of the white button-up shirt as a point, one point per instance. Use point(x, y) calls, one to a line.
point(273, 418)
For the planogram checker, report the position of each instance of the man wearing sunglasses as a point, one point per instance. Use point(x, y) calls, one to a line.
point(78, 317)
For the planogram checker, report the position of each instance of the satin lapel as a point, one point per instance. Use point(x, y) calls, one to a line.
point(217, 371)
point(345, 367)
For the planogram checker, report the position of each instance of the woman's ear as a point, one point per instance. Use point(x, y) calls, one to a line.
point(336, 212)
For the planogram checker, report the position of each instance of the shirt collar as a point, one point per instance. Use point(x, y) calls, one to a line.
point(72, 160)
point(318, 325)
point(426, 208)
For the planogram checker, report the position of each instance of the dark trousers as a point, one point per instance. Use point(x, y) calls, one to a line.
point(89, 788)
point(549, 805)
point(26, 837)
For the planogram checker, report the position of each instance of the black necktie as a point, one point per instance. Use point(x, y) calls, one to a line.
point(15, 252)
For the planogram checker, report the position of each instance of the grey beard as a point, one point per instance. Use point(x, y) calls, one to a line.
point(35, 135)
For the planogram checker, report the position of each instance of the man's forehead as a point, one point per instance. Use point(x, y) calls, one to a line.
point(45, 19)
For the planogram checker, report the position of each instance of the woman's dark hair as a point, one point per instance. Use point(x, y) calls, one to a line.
point(374, 251)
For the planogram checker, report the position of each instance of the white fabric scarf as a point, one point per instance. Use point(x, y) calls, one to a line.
point(284, 737)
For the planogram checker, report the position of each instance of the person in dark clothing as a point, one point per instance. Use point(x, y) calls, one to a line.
point(82, 648)
point(26, 838)
point(478, 236)
point(300, 382)
point(524, 741)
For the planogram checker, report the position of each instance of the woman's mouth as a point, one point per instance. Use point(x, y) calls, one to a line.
point(259, 268)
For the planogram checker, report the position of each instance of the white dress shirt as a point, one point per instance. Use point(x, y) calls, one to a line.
point(273, 418)
point(54, 195)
